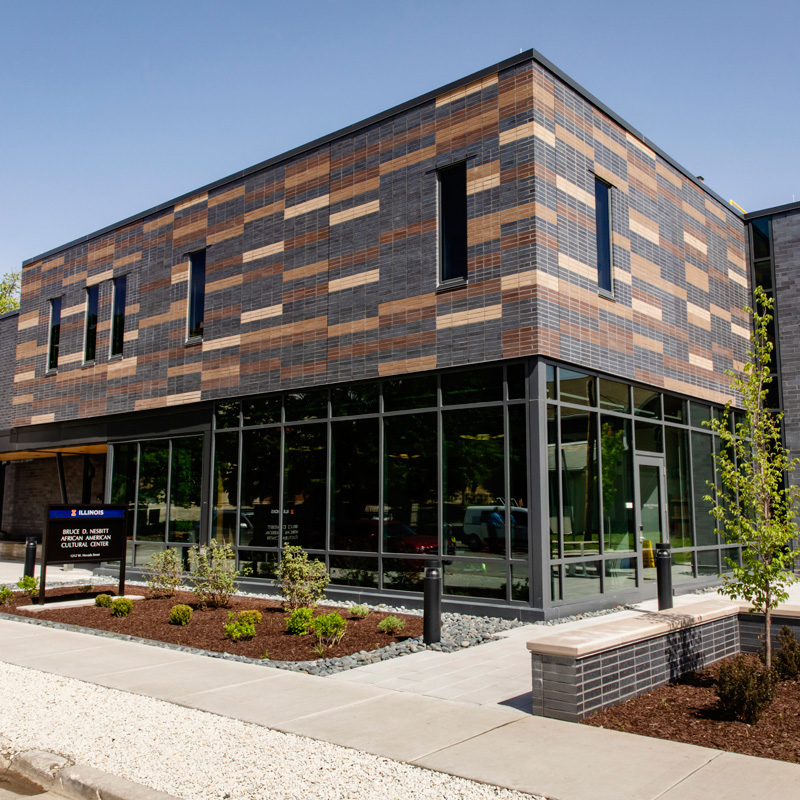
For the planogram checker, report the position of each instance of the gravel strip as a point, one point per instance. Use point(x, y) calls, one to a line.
point(200, 756)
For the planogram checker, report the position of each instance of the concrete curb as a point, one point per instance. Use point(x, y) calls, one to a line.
point(77, 781)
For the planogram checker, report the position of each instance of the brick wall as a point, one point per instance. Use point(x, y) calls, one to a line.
point(8, 347)
point(322, 266)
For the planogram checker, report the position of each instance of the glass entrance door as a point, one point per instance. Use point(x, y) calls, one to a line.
point(651, 510)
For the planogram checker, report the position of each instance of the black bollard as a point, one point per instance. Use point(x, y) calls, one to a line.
point(432, 613)
point(664, 576)
point(30, 556)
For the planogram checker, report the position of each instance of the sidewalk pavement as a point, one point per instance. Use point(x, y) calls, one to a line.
point(11, 572)
point(404, 710)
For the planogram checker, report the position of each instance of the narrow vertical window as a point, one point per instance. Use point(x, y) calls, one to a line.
point(118, 316)
point(602, 205)
point(90, 332)
point(197, 292)
point(453, 222)
point(55, 332)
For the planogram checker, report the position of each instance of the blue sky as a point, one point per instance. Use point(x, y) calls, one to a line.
point(109, 108)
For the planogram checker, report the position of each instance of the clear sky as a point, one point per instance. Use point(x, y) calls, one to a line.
point(109, 108)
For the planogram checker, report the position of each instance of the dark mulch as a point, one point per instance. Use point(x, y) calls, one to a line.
point(686, 712)
point(150, 620)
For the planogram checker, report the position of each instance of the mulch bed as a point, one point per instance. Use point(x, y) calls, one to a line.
point(150, 620)
point(686, 712)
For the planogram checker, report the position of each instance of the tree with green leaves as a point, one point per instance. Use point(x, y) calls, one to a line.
point(9, 292)
point(755, 503)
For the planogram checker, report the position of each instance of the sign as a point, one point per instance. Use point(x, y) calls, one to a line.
point(84, 533)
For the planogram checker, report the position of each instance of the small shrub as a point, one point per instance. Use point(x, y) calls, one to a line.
point(359, 612)
point(29, 585)
point(319, 649)
point(329, 628)
point(87, 587)
point(180, 615)
point(787, 659)
point(164, 573)
point(239, 629)
point(121, 607)
point(391, 625)
point(253, 617)
point(103, 600)
point(214, 574)
point(299, 621)
point(6, 596)
point(302, 581)
point(745, 688)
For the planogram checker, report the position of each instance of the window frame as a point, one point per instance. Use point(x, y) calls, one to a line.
point(445, 227)
point(118, 313)
point(195, 316)
point(604, 236)
point(89, 327)
point(53, 334)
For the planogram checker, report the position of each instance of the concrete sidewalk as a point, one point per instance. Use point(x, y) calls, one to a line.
point(11, 572)
point(492, 742)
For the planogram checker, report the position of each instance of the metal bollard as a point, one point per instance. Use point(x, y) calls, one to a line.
point(30, 556)
point(664, 576)
point(432, 609)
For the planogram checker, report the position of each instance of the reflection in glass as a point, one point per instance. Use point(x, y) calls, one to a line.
point(354, 485)
point(702, 473)
point(551, 382)
point(354, 571)
point(682, 569)
point(763, 271)
point(354, 398)
point(707, 562)
point(646, 403)
point(679, 511)
point(615, 396)
point(579, 484)
point(403, 574)
point(123, 481)
point(730, 554)
point(618, 511)
point(151, 516)
point(186, 480)
point(261, 410)
point(473, 480)
point(700, 413)
point(304, 470)
point(408, 393)
point(226, 475)
point(553, 479)
point(259, 518)
point(515, 377)
point(262, 565)
point(575, 387)
point(556, 583)
point(307, 404)
point(650, 516)
point(674, 409)
point(227, 414)
point(649, 437)
point(520, 582)
point(410, 475)
point(581, 579)
point(518, 475)
point(473, 386)
point(475, 578)
point(760, 230)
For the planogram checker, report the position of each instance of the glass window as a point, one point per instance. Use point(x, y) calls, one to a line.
point(760, 230)
point(123, 480)
point(520, 582)
point(411, 479)
point(259, 411)
point(225, 489)
point(700, 413)
point(403, 574)
point(474, 386)
point(649, 437)
point(763, 274)
point(674, 409)
point(618, 511)
point(576, 387)
point(453, 222)
point(304, 470)
point(186, 480)
point(602, 207)
point(262, 564)
point(702, 474)
point(475, 579)
point(707, 562)
point(553, 479)
point(307, 404)
point(55, 333)
point(118, 315)
point(401, 394)
point(355, 507)
point(515, 376)
point(259, 516)
point(581, 579)
point(682, 567)
point(473, 480)
point(357, 398)
point(551, 382)
point(197, 293)
point(151, 513)
point(354, 571)
point(579, 483)
point(679, 510)
point(615, 396)
point(90, 329)
point(518, 476)
point(646, 403)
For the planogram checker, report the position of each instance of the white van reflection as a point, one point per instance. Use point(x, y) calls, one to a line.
point(484, 528)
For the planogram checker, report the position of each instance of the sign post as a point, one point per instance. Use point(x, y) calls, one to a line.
point(77, 534)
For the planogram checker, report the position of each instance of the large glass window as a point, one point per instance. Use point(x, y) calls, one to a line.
point(151, 511)
point(90, 330)
point(618, 513)
point(260, 504)
point(702, 476)
point(224, 523)
point(54, 333)
point(679, 511)
point(602, 206)
point(197, 293)
point(118, 315)
point(453, 222)
point(305, 478)
point(185, 488)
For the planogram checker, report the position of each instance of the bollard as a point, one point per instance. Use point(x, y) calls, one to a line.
point(30, 556)
point(432, 610)
point(664, 576)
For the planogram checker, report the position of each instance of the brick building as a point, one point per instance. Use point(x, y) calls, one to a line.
point(482, 327)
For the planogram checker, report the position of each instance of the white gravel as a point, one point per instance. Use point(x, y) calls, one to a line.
point(196, 755)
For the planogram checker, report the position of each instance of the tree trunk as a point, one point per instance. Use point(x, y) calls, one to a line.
point(768, 635)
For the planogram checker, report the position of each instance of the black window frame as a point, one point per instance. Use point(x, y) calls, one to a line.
point(452, 211)
point(118, 302)
point(90, 323)
point(54, 334)
point(196, 299)
point(603, 235)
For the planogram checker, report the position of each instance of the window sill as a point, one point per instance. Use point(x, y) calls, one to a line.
point(51, 372)
point(115, 357)
point(607, 295)
point(88, 364)
point(455, 283)
point(193, 342)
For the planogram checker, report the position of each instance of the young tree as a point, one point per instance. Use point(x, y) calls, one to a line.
point(9, 292)
point(755, 502)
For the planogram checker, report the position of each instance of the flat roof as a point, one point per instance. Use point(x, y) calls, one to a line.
point(522, 57)
point(771, 212)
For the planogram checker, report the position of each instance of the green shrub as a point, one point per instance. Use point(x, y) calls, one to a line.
point(359, 612)
point(180, 615)
point(328, 628)
point(121, 607)
point(164, 573)
point(6, 596)
point(214, 574)
point(745, 687)
point(391, 625)
point(299, 621)
point(103, 600)
point(237, 628)
point(29, 585)
point(787, 659)
point(302, 581)
point(253, 617)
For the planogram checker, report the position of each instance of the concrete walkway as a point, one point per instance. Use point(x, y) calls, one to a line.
point(483, 735)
